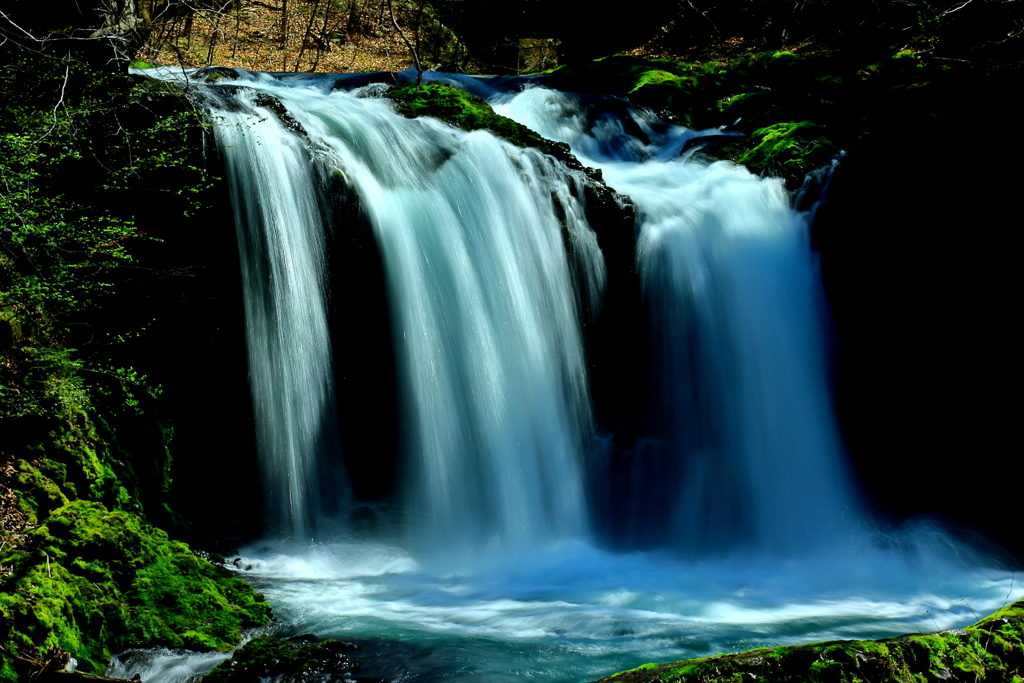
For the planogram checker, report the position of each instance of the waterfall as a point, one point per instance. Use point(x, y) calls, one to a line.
point(740, 436)
point(473, 231)
point(282, 248)
point(517, 536)
point(738, 450)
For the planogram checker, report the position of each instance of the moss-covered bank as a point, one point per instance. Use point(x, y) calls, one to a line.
point(93, 582)
point(988, 651)
point(81, 571)
point(795, 110)
point(97, 167)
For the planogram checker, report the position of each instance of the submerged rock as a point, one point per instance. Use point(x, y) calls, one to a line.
point(303, 658)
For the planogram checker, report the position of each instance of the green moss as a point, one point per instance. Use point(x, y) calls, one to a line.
point(991, 650)
point(659, 77)
point(39, 493)
point(468, 112)
point(84, 463)
point(789, 149)
point(94, 581)
point(459, 108)
point(775, 63)
point(612, 75)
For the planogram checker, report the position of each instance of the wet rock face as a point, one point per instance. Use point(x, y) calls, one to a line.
point(302, 658)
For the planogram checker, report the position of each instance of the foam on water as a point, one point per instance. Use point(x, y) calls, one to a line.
point(574, 612)
point(162, 665)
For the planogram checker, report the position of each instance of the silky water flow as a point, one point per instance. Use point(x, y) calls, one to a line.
point(738, 528)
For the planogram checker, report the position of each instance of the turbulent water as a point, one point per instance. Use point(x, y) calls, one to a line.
point(493, 560)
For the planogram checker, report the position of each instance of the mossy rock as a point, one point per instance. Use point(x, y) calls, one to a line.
point(468, 112)
point(748, 112)
point(674, 96)
point(609, 76)
point(212, 74)
point(297, 659)
point(94, 581)
point(990, 650)
point(463, 110)
point(772, 68)
point(789, 149)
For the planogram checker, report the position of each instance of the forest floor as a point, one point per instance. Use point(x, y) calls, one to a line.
point(356, 36)
point(359, 37)
point(324, 36)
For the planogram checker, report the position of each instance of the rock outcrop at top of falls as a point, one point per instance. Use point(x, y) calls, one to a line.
point(468, 112)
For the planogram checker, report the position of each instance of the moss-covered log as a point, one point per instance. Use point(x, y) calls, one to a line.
point(988, 651)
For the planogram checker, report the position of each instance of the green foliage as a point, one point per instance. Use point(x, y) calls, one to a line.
point(990, 650)
point(94, 581)
point(270, 658)
point(795, 111)
point(70, 137)
point(612, 75)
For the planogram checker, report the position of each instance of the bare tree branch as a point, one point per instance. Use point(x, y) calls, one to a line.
point(63, 87)
point(412, 49)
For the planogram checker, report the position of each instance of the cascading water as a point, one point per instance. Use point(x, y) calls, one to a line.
point(492, 377)
point(282, 248)
point(735, 489)
point(491, 365)
point(741, 434)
